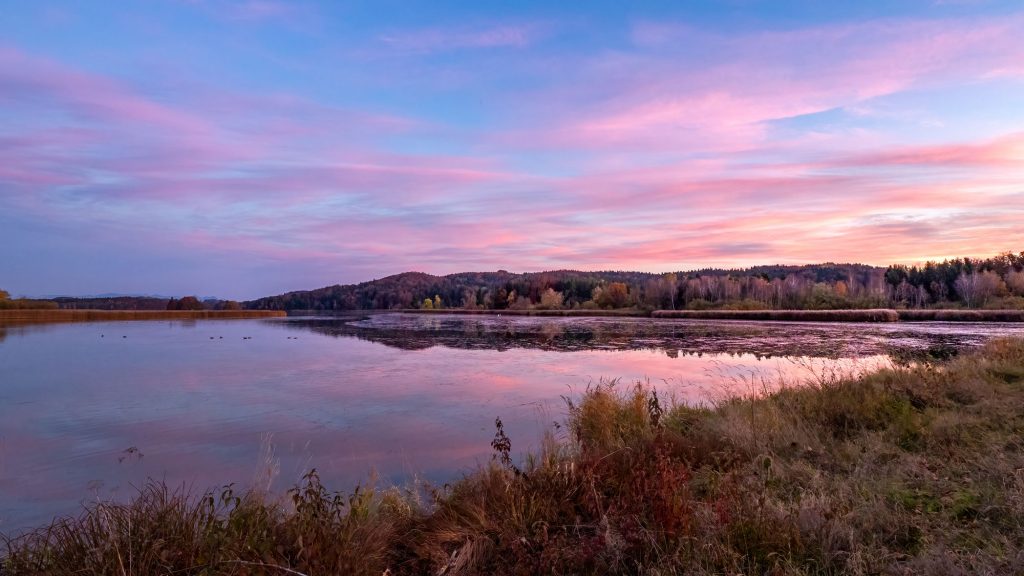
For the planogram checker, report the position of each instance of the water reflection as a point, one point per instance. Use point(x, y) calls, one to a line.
point(904, 342)
point(400, 394)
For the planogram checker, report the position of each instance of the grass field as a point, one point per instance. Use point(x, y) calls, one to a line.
point(908, 470)
point(44, 316)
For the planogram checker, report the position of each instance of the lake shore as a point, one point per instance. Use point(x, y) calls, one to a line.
point(871, 315)
point(51, 316)
point(914, 469)
point(876, 315)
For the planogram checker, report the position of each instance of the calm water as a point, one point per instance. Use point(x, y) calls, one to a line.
point(89, 410)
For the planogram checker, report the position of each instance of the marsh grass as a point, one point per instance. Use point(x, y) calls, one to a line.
point(589, 312)
point(871, 315)
point(962, 315)
point(915, 469)
point(46, 316)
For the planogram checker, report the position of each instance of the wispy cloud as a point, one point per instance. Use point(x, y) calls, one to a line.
point(666, 152)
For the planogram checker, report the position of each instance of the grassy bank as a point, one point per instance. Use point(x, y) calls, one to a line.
point(913, 470)
point(581, 312)
point(868, 315)
point(43, 316)
point(874, 315)
point(962, 315)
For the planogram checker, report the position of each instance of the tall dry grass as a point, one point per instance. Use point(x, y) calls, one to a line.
point(873, 315)
point(963, 315)
point(44, 316)
point(907, 470)
point(619, 312)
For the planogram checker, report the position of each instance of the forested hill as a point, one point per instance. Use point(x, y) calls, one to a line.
point(504, 289)
point(991, 282)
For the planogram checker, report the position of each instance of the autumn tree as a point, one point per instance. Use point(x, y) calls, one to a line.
point(190, 303)
point(672, 283)
point(1015, 282)
point(550, 300)
point(615, 295)
point(5, 295)
point(824, 297)
point(428, 304)
point(976, 288)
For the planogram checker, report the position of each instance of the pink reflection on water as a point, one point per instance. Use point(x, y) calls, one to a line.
point(198, 410)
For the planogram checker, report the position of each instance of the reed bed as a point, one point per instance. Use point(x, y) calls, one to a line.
point(907, 470)
point(43, 316)
point(872, 315)
point(622, 312)
point(866, 315)
point(962, 315)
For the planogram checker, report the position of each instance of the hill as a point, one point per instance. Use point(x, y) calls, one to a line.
point(966, 282)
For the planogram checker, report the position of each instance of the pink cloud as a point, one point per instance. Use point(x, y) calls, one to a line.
point(23, 76)
point(665, 100)
point(633, 159)
point(1004, 152)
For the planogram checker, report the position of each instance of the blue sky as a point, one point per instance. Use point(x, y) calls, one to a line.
point(243, 148)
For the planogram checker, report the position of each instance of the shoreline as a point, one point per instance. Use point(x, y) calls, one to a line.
point(878, 315)
point(11, 317)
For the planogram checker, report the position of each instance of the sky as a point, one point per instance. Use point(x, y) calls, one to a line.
point(242, 148)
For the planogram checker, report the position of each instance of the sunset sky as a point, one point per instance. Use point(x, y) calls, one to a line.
point(240, 148)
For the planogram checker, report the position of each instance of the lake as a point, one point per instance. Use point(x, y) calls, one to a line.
point(89, 410)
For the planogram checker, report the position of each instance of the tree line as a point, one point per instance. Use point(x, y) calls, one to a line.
point(996, 282)
point(8, 303)
point(973, 283)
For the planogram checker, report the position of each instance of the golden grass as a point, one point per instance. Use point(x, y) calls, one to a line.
point(864, 315)
point(873, 315)
point(963, 315)
point(584, 313)
point(44, 316)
